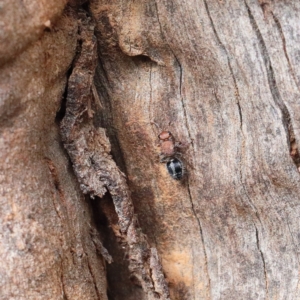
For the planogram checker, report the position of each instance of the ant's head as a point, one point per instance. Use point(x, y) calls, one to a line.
point(165, 136)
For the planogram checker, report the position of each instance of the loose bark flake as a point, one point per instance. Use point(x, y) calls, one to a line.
point(97, 173)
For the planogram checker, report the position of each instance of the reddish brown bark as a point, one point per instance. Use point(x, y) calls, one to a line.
point(220, 75)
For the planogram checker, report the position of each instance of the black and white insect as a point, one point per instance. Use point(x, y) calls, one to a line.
point(175, 168)
point(169, 152)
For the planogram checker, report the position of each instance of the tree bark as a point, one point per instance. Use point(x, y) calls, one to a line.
point(223, 77)
point(46, 247)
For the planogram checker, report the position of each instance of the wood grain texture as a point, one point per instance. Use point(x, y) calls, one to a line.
point(97, 173)
point(46, 249)
point(224, 75)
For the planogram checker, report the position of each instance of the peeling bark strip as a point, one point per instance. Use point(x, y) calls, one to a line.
point(97, 173)
point(98, 244)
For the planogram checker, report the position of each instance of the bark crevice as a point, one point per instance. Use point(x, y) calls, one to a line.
point(286, 117)
point(180, 76)
point(89, 150)
point(57, 185)
point(237, 94)
point(191, 140)
point(150, 85)
point(93, 278)
point(64, 294)
point(202, 239)
point(228, 229)
point(263, 261)
point(181, 99)
point(279, 27)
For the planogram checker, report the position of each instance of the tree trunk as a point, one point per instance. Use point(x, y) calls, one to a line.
point(222, 76)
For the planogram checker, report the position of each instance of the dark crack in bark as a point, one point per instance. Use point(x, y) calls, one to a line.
point(189, 134)
point(93, 278)
point(263, 261)
point(180, 74)
point(57, 185)
point(99, 246)
point(181, 97)
point(286, 118)
point(237, 94)
point(150, 85)
point(62, 280)
point(202, 240)
point(278, 25)
point(293, 145)
point(97, 173)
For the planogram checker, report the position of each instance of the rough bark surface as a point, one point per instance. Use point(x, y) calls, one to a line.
point(222, 76)
point(46, 250)
point(97, 173)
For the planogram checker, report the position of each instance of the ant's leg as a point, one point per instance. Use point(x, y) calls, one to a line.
point(183, 144)
point(163, 158)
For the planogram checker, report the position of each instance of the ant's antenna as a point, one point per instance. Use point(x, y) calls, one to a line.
point(154, 123)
